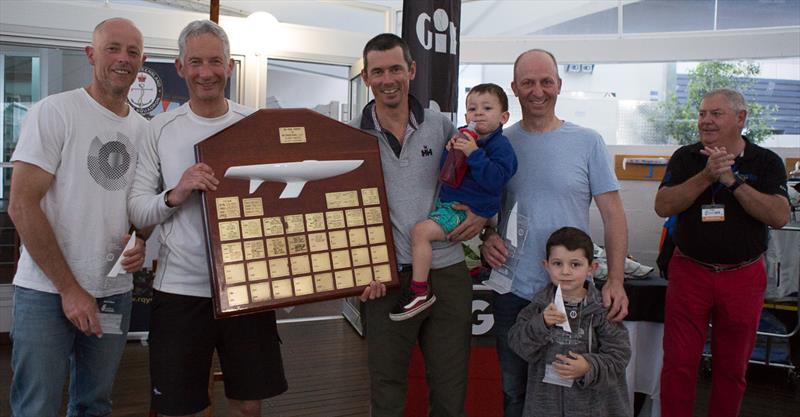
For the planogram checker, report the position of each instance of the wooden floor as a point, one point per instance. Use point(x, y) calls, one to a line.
point(327, 372)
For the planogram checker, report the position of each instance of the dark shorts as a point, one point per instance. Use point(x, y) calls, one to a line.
point(183, 336)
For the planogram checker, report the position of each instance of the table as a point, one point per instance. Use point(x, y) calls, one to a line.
point(645, 324)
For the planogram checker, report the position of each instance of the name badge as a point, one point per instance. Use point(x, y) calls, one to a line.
point(712, 213)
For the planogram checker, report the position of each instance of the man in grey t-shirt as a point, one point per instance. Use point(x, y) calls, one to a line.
point(562, 168)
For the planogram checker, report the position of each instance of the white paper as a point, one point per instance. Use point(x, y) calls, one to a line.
point(559, 302)
point(117, 268)
point(511, 226)
point(111, 323)
point(552, 377)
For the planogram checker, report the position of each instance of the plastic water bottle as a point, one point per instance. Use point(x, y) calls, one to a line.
point(455, 166)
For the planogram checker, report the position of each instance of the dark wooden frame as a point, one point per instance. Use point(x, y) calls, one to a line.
point(256, 140)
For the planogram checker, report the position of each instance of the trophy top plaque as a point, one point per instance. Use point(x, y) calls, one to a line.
point(300, 214)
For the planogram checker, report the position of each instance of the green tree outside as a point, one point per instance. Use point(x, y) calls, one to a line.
point(677, 123)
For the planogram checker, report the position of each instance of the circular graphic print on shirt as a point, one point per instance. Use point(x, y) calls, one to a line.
point(109, 162)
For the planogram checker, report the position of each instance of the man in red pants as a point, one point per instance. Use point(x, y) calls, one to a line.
point(725, 191)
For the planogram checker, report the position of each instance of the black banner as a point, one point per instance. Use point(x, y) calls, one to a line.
point(431, 28)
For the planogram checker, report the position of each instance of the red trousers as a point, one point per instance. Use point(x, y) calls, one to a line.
point(733, 301)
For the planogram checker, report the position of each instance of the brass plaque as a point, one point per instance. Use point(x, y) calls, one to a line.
point(318, 241)
point(341, 259)
point(232, 252)
point(358, 237)
point(382, 273)
point(228, 208)
point(294, 223)
point(370, 196)
point(335, 219)
point(373, 215)
point(260, 292)
point(237, 295)
point(282, 288)
point(297, 244)
point(251, 228)
point(303, 285)
point(320, 262)
point(257, 270)
point(315, 222)
point(338, 239)
point(279, 267)
point(341, 199)
point(363, 276)
point(253, 249)
point(273, 226)
point(253, 207)
point(229, 231)
point(355, 217)
point(323, 282)
point(360, 256)
point(379, 254)
point(344, 278)
point(300, 264)
point(376, 235)
point(294, 134)
point(276, 246)
point(234, 273)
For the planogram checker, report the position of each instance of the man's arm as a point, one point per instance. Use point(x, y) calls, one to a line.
point(29, 184)
point(615, 229)
point(770, 209)
point(677, 198)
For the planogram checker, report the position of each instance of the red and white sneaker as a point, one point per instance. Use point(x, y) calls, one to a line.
point(410, 304)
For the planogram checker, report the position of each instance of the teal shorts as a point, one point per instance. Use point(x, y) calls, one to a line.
point(446, 216)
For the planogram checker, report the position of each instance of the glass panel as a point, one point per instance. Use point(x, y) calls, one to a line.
point(323, 88)
point(626, 102)
point(668, 16)
point(735, 14)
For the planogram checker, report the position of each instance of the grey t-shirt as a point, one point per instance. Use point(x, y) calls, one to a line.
point(559, 173)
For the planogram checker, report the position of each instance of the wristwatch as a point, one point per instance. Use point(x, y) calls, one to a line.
point(484, 232)
point(166, 199)
point(738, 180)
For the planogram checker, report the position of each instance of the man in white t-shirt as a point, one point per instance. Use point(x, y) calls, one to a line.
point(183, 331)
point(73, 167)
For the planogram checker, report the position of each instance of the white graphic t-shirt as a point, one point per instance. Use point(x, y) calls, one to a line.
point(92, 155)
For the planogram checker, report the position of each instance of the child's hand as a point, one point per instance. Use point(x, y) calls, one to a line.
point(450, 143)
point(552, 316)
point(465, 145)
point(571, 366)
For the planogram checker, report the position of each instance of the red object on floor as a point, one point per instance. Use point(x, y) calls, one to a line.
point(484, 392)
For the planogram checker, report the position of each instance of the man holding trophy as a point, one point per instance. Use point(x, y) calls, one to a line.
point(183, 331)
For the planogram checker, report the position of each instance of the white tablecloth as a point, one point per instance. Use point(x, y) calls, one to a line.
point(644, 370)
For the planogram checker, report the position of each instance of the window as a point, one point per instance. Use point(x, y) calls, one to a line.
point(621, 100)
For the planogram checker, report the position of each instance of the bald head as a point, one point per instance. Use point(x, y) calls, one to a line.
point(115, 23)
point(534, 54)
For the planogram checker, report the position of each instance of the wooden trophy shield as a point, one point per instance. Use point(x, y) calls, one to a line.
point(300, 214)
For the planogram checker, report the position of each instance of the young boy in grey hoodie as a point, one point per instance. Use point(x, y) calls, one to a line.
point(577, 357)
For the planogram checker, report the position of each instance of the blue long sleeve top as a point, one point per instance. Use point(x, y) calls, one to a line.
point(491, 166)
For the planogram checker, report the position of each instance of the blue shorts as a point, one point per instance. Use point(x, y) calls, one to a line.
point(446, 216)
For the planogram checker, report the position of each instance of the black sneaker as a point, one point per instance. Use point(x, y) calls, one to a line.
point(410, 304)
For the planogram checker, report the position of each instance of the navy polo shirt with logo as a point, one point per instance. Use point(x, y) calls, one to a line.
point(740, 237)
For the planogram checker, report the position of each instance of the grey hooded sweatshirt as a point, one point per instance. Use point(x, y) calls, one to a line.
point(605, 345)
